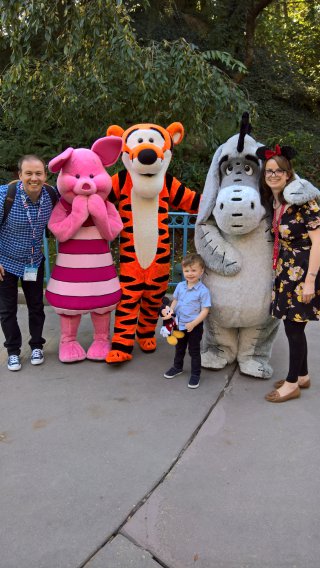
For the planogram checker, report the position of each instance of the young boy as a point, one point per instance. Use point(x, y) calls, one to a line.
point(191, 303)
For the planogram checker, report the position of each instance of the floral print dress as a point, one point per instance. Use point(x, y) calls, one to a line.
point(292, 264)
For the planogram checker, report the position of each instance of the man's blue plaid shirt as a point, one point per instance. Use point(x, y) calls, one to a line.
point(16, 232)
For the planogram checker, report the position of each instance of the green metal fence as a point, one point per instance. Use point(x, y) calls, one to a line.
point(181, 227)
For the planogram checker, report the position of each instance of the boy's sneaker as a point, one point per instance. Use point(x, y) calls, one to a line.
point(173, 372)
point(37, 357)
point(14, 363)
point(194, 382)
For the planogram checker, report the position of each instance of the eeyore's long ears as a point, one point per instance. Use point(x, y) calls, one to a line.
point(245, 128)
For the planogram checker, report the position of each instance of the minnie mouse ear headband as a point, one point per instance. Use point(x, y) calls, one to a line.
point(265, 153)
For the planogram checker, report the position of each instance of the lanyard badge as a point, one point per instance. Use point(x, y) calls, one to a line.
point(30, 272)
point(275, 226)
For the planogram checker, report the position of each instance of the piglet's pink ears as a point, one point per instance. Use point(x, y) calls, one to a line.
point(56, 163)
point(108, 149)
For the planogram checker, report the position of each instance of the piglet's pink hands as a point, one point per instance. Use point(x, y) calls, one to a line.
point(80, 208)
point(96, 206)
point(65, 226)
point(105, 216)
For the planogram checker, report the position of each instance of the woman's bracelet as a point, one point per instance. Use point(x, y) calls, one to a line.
point(312, 274)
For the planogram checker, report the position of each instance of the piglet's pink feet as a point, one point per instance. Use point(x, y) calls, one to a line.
point(101, 345)
point(70, 350)
point(98, 350)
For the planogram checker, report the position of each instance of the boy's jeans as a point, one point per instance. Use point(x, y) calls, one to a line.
point(193, 340)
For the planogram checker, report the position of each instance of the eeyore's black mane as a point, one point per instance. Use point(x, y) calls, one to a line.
point(245, 128)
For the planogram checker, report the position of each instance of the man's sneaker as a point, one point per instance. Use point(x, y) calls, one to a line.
point(14, 363)
point(173, 372)
point(37, 357)
point(194, 382)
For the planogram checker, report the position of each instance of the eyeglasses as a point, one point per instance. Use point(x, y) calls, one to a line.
point(276, 173)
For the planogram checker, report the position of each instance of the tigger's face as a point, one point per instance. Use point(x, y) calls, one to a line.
point(146, 156)
point(147, 152)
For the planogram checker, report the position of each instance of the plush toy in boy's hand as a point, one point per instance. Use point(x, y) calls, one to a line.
point(169, 327)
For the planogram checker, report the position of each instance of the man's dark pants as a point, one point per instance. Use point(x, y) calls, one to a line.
point(33, 292)
point(193, 340)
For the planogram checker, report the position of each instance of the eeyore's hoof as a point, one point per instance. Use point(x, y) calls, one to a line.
point(256, 369)
point(211, 361)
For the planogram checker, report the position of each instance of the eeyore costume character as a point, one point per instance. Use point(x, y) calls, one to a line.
point(232, 234)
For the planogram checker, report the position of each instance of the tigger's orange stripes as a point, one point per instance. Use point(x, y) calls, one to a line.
point(143, 289)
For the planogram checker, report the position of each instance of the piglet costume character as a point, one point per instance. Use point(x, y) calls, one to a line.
point(84, 279)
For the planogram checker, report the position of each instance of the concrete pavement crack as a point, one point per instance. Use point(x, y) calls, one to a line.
point(144, 499)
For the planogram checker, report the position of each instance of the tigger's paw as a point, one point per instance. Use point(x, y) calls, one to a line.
point(148, 344)
point(115, 356)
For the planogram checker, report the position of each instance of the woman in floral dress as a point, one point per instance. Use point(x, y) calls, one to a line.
point(296, 261)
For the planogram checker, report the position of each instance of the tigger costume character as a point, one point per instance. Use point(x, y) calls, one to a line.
point(145, 193)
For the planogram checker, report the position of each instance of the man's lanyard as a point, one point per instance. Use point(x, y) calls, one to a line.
point(275, 225)
point(26, 208)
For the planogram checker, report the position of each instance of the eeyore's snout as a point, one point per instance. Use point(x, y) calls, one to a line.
point(238, 209)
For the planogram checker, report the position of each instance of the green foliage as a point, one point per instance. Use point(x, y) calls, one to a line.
point(226, 59)
point(291, 40)
point(71, 68)
point(226, 23)
point(284, 81)
point(76, 67)
point(281, 121)
point(65, 59)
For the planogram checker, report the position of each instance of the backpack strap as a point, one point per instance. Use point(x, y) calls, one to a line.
point(54, 198)
point(52, 193)
point(11, 195)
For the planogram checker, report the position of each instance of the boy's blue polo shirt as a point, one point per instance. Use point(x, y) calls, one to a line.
point(190, 301)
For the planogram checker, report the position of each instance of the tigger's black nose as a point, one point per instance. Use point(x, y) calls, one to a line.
point(147, 156)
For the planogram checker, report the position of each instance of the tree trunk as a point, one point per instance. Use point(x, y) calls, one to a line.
point(254, 11)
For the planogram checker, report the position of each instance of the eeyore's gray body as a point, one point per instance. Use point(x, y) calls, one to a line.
point(232, 234)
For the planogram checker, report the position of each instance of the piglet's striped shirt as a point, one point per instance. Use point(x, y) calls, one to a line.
point(84, 278)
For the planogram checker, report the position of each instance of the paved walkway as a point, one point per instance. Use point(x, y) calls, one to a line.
point(105, 467)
